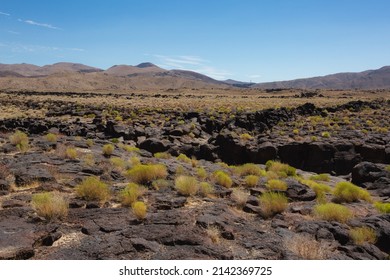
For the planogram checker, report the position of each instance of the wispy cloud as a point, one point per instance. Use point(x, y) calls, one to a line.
point(46, 25)
point(13, 32)
point(76, 49)
point(4, 14)
point(191, 63)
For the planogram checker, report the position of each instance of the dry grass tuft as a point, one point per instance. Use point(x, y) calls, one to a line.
point(139, 209)
point(348, 192)
point(146, 173)
point(93, 189)
point(131, 193)
point(186, 185)
point(272, 203)
point(51, 205)
point(361, 235)
point(333, 212)
point(223, 179)
point(307, 247)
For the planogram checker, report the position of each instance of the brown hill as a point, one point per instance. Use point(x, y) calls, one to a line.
point(371, 79)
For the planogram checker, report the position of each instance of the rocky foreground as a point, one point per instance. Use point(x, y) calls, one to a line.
point(224, 217)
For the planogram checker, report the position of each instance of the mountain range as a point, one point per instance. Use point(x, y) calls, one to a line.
point(147, 76)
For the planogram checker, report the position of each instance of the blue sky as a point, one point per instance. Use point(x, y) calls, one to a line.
point(247, 40)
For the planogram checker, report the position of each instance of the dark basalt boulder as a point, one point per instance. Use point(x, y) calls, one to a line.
point(366, 172)
point(155, 145)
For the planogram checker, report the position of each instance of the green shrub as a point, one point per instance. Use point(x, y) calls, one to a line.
point(320, 177)
point(119, 163)
point(249, 169)
point(361, 235)
point(20, 140)
point(275, 184)
point(130, 194)
point(51, 205)
point(201, 173)
point(51, 137)
point(139, 209)
point(89, 143)
point(387, 168)
point(223, 179)
point(320, 189)
point(162, 155)
point(251, 180)
point(71, 153)
point(184, 158)
point(383, 207)
point(186, 185)
point(145, 173)
point(348, 192)
point(160, 184)
point(108, 149)
point(333, 212)
point(246, 137)
point(283, 170)
point(272, 203)
point(131, 149)
point(325, 134)
point(91, 188)
point(205, 189)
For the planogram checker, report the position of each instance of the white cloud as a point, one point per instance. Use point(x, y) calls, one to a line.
point(254, 76)
point(4, 14)
point(13, 32)
point(46, 25)
point(191, 63)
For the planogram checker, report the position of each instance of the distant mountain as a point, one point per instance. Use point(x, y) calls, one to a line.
point(78, 77)
point(371, 79)
point(238, 83)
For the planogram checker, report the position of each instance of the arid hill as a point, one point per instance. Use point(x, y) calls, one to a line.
point(371, 79)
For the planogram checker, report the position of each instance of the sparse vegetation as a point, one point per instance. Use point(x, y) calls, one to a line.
point(333, 212)
point(223, 179)
point(283, 170)
point(249, 169)
point(145, 173)
point(320, 177)
point(251, 180)
point(240, 197)
point(131, 193)
point(361, 235)
point(51, 137)
point(71, 153)
point(20, 140)
point(246, 137)
point(276, 184)
point(272, 203)
point(186, 185)
point(108, 149)
point(205, 189)
point(91, 188)
point(50, 205)
point(162, 155)
point(383, 207)
point(184, 158)
point(201, 173)
point(139, 209)
point(348, 192)
point(307, 247)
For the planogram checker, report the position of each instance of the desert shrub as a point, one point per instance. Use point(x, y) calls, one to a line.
point(246, 137)
point(205, 189)
point(325, 134)
point(119, 163)
point(162, 155)
point(89, 160)
point(348, 192)
point(51, 137)
point(20, 140)
point(183, 158)
point(387, 168)
point(160, 184)
point(131, 149)
point(223, 179)
point(361, 235)
point(320, 177)
point(91, 188)
point(383, 207)
point(272, 203)
point(139, 209)
point(130, 194)
point(333, 212)
point(276, 184)
point(186, 185)
point(240, 197)
point(214, 233)
point(51, 205)
point(201, 173)
point(180, 170)
point(108, 149)
point(251, 180)
point(71, 153)
point(145, 173)
point(307, 247)
point(282, 169)
point(134, 160)
point(296, 131)
point(320, 189)
point(249, 169)
point(89, 143)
